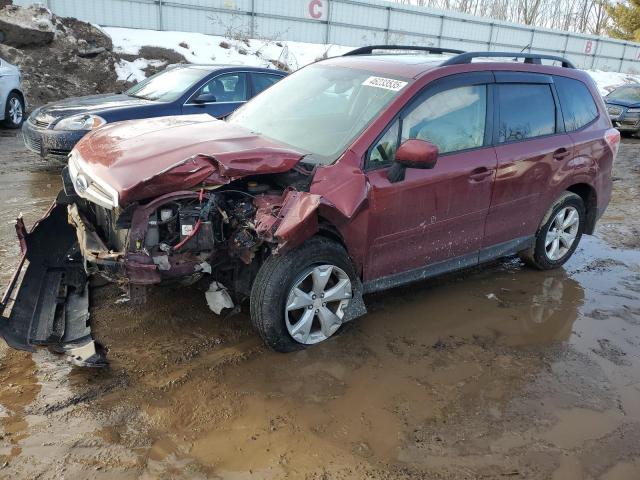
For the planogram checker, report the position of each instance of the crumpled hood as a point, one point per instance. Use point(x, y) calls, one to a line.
point(142, 159)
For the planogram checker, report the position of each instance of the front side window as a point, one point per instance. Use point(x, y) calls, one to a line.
point(168, 85)
point(230, 87)
point(453, 120)
point(526, 111)
point(319, 110)
point(384, 151)
point(578, 107)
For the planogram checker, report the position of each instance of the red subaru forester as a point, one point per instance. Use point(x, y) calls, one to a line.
point(352, 175)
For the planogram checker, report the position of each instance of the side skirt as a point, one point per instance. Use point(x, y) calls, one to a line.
point(458, 263)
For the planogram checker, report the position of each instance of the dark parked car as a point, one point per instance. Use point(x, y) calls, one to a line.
point(353, 175)
point(218, 90)
point(623, 105)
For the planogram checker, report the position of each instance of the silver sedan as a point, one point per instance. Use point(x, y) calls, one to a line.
point(12, 102)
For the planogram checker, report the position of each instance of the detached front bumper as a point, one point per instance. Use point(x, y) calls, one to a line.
point(47, 300)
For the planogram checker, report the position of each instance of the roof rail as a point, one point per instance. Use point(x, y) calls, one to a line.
point(369, 50)
point(534, 58)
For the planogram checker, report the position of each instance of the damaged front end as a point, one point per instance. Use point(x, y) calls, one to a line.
point(231, 214)
point(47, 301)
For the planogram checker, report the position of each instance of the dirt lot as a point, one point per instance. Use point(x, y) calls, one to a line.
point(499, 373)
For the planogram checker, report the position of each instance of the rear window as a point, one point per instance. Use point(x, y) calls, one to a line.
point(526, 111)
point(578, 107)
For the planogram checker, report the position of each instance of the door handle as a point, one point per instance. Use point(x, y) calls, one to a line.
point(561, 153)
point(480, 174)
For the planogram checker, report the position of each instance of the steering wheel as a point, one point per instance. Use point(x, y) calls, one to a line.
point(383, 152)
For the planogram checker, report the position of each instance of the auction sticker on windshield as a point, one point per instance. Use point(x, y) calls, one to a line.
point(386, 83)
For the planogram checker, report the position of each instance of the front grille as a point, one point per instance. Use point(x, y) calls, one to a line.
point(614, 110)
point(58, 152)
point(41, 123)
point(32, 141)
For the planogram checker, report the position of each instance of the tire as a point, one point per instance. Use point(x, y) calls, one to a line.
point(274, 284)
point(13, 111)
point(541, 255)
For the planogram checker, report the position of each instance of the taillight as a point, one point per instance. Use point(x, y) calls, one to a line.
point(612, 137)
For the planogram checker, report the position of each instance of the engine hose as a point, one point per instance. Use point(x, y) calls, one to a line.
point(189, 237)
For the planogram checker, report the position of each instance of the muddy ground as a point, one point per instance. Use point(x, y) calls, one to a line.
point(503, 372)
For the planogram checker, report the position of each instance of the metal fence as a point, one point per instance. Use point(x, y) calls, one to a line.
point(350, 22)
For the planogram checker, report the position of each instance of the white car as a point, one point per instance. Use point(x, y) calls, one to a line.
point(12, 103)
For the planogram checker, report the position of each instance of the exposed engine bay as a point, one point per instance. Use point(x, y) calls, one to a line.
point(183, 236)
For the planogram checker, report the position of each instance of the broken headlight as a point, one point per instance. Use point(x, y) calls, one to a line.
point(88, 186)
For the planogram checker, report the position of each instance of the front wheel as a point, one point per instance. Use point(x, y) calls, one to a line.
point(300, 298)
point(559, 235)
point(14, 111)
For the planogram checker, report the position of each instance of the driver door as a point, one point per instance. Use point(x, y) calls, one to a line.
point(221, 95)
point(433, 219)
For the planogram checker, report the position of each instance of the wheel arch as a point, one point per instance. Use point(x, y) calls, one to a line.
point(327, 229)
point(19, 93)
point(589, 197)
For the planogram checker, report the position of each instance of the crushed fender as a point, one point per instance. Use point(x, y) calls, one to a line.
point(347, 192)
point(289, 222)
point(47, 301)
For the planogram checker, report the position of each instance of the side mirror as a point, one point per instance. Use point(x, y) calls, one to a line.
point(205, 98)
point(413, 153)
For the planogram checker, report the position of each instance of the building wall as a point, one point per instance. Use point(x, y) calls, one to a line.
point(351, 22)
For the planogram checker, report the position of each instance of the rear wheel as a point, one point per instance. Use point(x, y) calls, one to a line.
point(14, 111)
point(299, 298)
point(559, 235)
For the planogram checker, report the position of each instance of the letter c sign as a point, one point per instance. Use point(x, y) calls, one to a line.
point(315, 9)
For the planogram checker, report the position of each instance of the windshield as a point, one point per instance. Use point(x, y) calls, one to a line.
point(319, 110)
point(168, 85)
point(628, 94)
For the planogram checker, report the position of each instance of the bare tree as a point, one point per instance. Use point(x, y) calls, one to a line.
point(583, 16)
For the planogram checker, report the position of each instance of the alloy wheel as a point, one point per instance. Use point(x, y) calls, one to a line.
point(562, 233)
point(15, 111)
point(316, 303)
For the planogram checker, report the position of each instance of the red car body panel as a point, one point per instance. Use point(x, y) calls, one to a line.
point(431, 216)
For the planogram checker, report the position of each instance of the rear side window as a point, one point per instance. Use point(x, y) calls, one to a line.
point(262, 81)
point(578, 107)
point(526, 111)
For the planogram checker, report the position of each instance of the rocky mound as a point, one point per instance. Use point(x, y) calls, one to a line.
point(58, 57)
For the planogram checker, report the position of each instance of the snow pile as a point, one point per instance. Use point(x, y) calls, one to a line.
point(208, 49)
point(135, 71)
